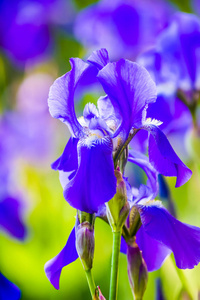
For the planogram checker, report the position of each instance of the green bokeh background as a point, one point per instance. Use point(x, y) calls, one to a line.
point(50, 219)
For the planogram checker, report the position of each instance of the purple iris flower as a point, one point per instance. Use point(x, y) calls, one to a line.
point(161, 233)
point(87, 160)
point(86, 165)
point(25, 27)
point(8, 290)
point(125, 28)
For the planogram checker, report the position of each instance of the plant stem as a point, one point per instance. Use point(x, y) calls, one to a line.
point(115, 265)
point(91, 283)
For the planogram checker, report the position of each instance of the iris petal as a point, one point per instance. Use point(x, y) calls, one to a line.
point(94, 182)
point(182, 239)
point(61, 96)
point(68, 161)
point(99, 58)
point(142, 161)
point(164, 159)
point(54, 266)
point(129, 88)
point(153, 251)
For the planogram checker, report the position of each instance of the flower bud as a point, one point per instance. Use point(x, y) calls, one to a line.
point(98, 294)
point(118, 206)
point(137, 270)
point(134, 221)
point(85, 244)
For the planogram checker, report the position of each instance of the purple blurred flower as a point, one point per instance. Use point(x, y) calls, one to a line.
point(11, 205)
point(174, 64)
point(175, 59)
point(8, 290)
point(25, 27)
point(125, 28)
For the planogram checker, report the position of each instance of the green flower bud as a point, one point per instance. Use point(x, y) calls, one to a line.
point(118, 207)
point(137, 270)
point(85, 244)
point(193, 144)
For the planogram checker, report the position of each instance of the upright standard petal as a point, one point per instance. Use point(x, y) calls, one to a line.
point(163, 158)
point(61, 96)
point(182, 239)
point(99, 58)
point(54, 266)
point(10, 218)
point(129, 88)
point(8, 290)
point(94, 182)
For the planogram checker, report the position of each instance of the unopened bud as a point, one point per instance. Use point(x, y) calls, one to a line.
point(137, 270)
point(98, 294)
point(118, 206)
point(134, 221)
point(85, 244)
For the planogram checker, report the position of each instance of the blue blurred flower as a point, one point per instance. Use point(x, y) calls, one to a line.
point(11, 204)
point(8, 290)
point(25, 27)
point(174, 64)
point(124, 28)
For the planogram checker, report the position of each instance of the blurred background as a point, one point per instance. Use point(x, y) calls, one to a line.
point(37, 38)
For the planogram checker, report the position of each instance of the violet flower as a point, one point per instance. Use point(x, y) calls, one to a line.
point(161, 233)
point(25, 27)
point(86, 165)
point(8, 290)
point(125, 28)
point(174, 65)
point(11, 205)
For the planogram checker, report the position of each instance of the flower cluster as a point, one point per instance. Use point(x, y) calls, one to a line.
point(93, 163)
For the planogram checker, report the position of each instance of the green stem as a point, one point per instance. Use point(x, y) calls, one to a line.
point(115, 265)
point(91, 283)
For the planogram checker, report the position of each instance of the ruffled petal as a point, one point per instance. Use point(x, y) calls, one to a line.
point(142, 161)
point(182, 239)
point(54, 266)
point(99, 58)
point(61, 96)
point(68, 161)
point(153, 251)
point(94, 182)
point(163, 158)
point(129, 88)
point(10, 218)
point(8, 290)
point(90, 111)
